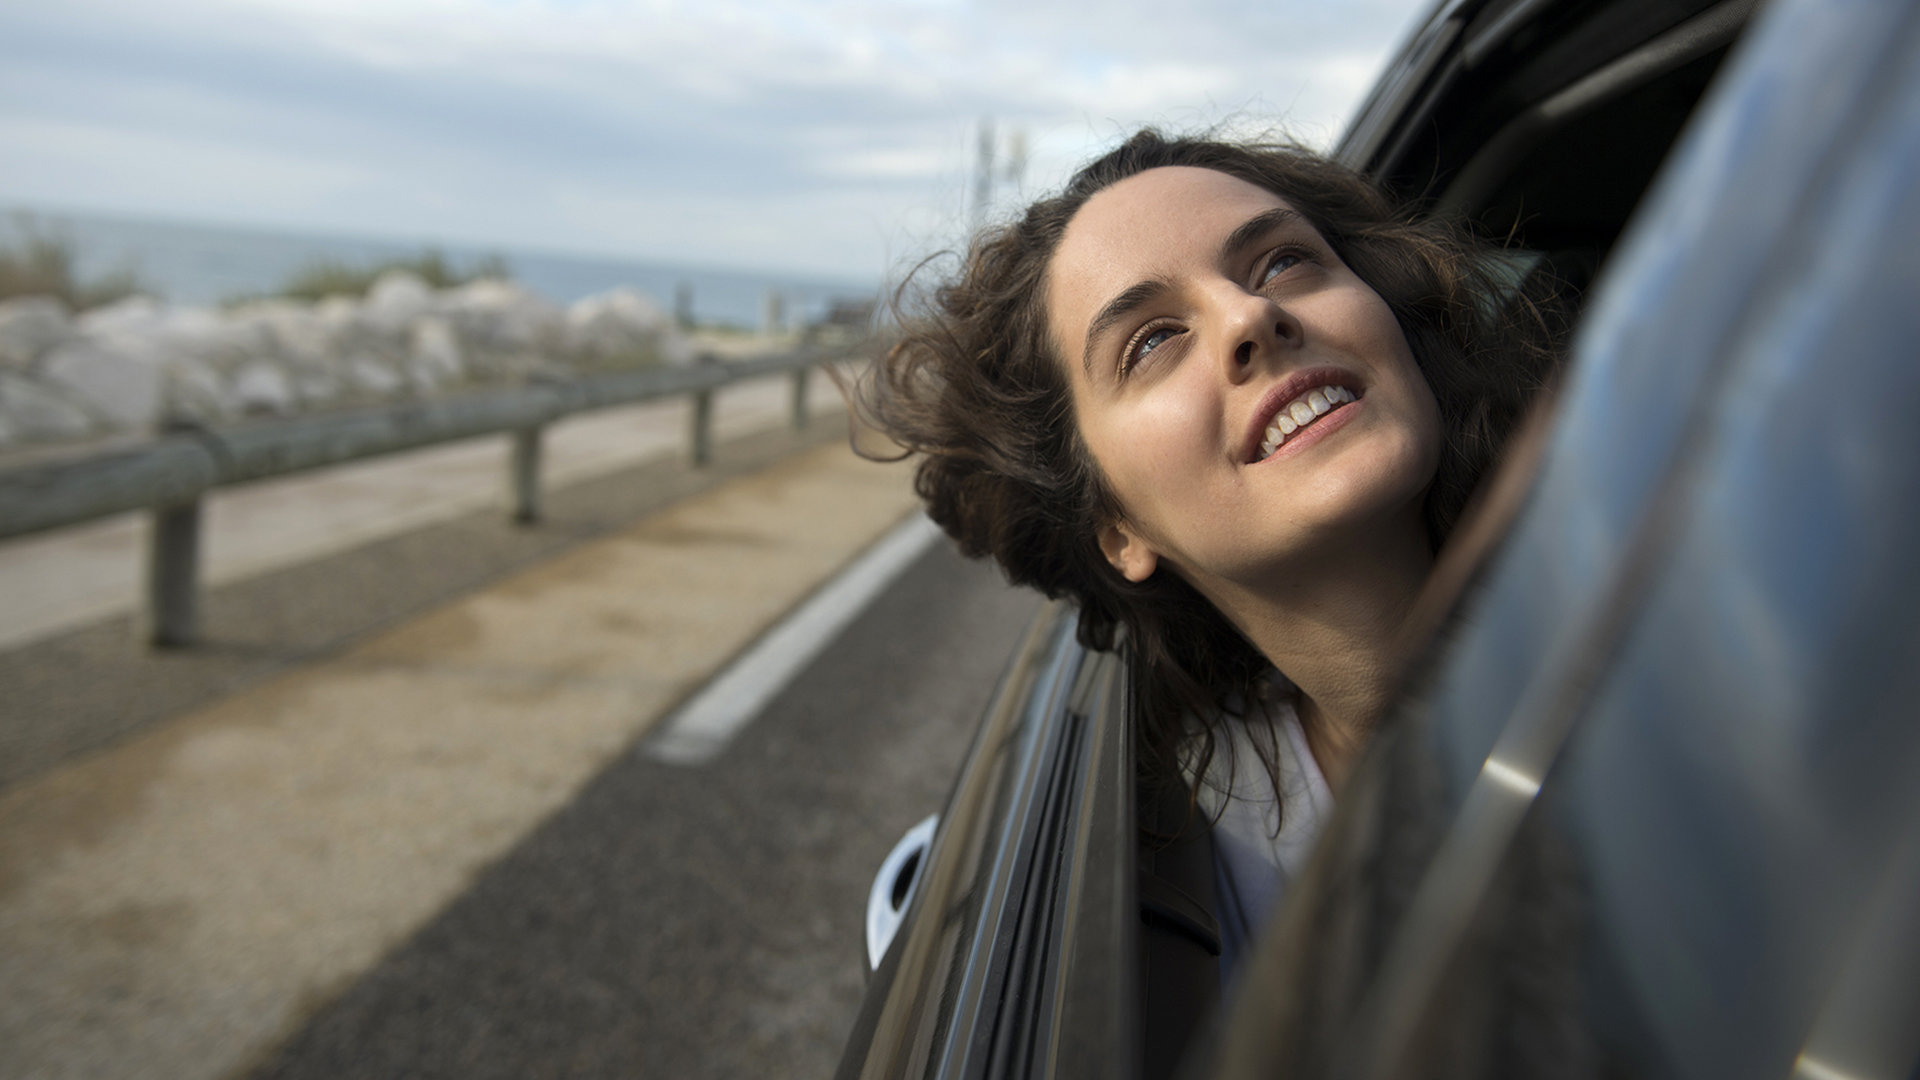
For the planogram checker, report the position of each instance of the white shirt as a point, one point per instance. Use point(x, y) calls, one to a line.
point(1259, 849)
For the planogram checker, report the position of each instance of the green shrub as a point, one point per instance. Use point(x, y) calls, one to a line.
point(321, 279)
point(42, 265)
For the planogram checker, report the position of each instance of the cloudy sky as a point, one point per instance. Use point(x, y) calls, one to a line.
point(820, 136)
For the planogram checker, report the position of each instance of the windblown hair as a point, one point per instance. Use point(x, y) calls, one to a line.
point(976, 388)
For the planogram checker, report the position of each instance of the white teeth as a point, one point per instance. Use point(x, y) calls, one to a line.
point(1302, 411)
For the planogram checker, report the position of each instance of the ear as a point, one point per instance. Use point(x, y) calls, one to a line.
point(1128, 551)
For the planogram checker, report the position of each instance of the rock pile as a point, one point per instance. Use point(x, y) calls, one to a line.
point(136, 363)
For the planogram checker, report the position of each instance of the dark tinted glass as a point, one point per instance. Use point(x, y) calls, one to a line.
point(1740, 798)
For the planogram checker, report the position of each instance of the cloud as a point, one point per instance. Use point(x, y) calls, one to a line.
point(504, 121)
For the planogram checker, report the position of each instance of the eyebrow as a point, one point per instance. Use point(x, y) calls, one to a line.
point(1118, 308)
point(1142, 293)
point(1256, 227)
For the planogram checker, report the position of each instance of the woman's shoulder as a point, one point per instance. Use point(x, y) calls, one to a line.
point(1255, 776)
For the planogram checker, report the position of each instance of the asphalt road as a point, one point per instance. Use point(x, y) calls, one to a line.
point(696, 921)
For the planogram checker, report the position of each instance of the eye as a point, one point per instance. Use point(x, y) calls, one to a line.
point(1281, 262)
point(1145, 342)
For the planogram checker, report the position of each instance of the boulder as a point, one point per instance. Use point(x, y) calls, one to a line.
point(127, 364)
point(193, 390)
point(317, 386)
point(292, 330)
point(433, 354)
point(499, 317)
point(349, 330)
point(115, 377)
point(397, 298)
point(32, 412)
point(336, 312)
point(372, 376)
point(208, 336)
point(262, 389)
point(620, 324)
point(29, 327)
point(132, 314)
point(303, 343)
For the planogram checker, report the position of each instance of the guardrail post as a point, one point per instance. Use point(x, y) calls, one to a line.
point(170, 620)
point(702, 427)
point(800, 397)
point(523, 475)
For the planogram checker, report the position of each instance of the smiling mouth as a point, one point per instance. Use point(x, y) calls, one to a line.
point(1301, 413)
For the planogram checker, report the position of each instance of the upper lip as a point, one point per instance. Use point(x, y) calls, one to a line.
point(1288, 388)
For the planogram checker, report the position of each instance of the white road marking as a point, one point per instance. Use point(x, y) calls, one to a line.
point(701, 728)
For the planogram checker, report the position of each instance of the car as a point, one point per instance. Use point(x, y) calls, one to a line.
point(1648, 805)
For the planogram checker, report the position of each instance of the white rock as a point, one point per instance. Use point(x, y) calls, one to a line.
point(317, 386)
point(193, 390)
point(336, 312)
point(496, 318)
point(290, 329)
point(620, 323)
point(261, 388)
point(349, 329)
point(31, 412)
point(133, 313)
point(396, 299)
point(518, 367)
point(371, 376)
point(117, 377)
point(433, 352)
point(29, 326)
point(208, 336)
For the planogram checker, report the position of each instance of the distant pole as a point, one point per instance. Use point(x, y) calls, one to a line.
point(773, 312)
point(983, 175)
point(1016, 158)
point(683, 305)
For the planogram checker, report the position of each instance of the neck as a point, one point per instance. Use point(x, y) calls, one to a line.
point(1335, 628)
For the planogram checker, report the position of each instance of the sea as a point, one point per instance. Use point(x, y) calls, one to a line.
point(199, 264)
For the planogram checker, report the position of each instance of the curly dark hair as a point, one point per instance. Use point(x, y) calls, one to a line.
point(974, 387)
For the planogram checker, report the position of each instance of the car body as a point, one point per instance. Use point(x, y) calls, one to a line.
point(1650, 806)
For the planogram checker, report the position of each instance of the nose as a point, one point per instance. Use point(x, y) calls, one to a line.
point(1256, 329)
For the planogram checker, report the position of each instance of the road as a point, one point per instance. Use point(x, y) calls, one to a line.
point(705, 921)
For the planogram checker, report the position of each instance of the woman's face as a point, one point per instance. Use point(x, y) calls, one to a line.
point(1202, 321)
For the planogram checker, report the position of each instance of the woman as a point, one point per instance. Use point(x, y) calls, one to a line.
point(1230, 400)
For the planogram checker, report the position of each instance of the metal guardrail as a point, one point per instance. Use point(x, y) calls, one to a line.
point(170, 474)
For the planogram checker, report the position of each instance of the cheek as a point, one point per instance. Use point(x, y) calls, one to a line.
point(1426, 432)
point(1385, 338)
point(1153, 452)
